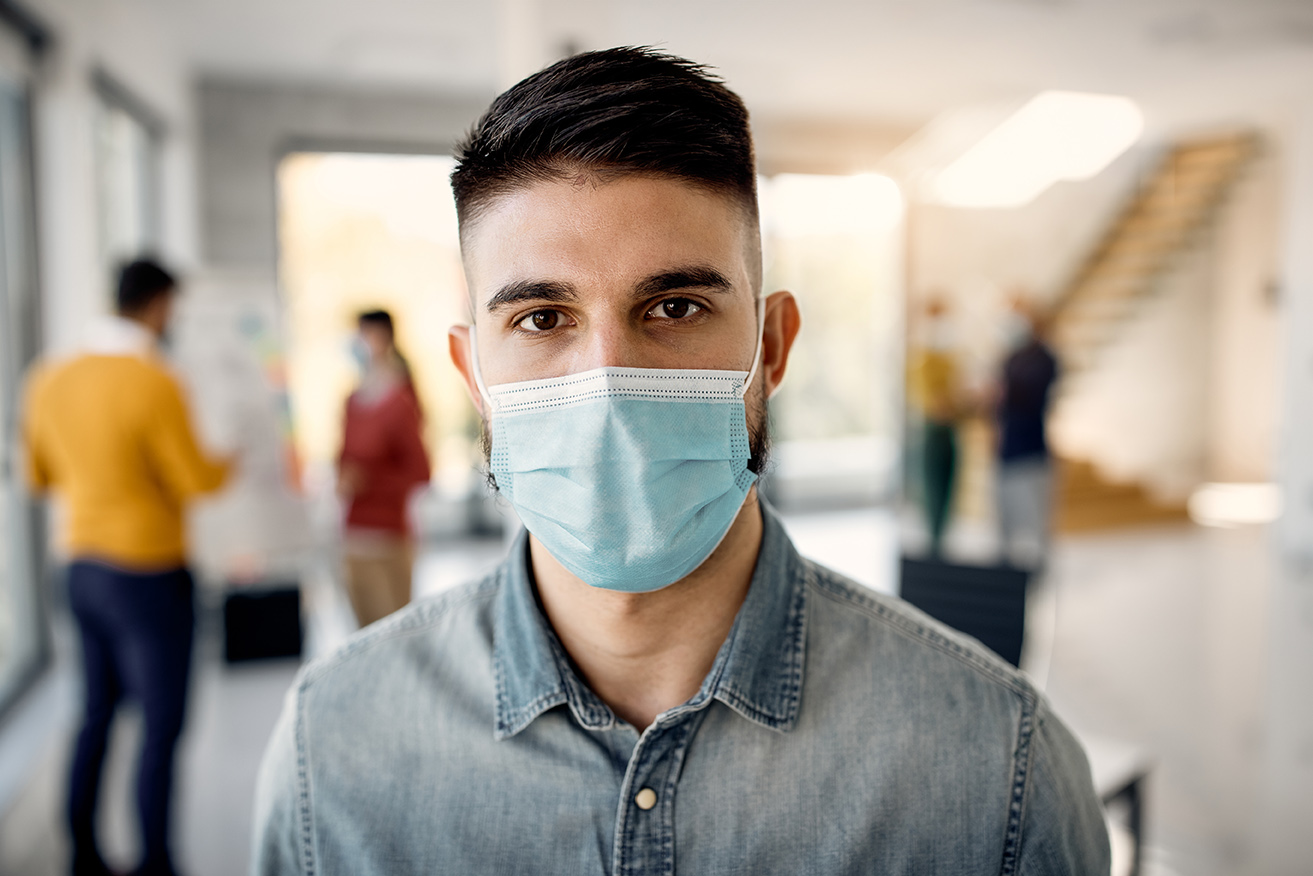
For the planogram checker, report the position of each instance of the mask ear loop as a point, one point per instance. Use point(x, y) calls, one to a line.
point(478, 372)
point(756, 356)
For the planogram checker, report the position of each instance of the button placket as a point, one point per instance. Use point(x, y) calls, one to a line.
point(645, 830)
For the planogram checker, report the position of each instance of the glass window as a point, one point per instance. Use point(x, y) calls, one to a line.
point(127, 176)
point(22, 631)
point(836, 242)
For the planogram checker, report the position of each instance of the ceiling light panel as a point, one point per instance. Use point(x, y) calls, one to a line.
point(1056, 136)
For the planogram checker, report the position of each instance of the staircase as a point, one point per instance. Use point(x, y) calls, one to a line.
point(1166, 217)
point(1178, 202)
point(1088, 501)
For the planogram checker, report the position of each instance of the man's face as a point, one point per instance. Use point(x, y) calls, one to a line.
point(377, 340)
point(637, 272)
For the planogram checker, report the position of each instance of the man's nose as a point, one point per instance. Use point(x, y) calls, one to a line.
point(610, 342)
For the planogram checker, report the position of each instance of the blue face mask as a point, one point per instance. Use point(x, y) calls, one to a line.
point(630, 477)
point(360, 353)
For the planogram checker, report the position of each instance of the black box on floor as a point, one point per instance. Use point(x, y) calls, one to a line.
point(986, 602)
point(261, 622)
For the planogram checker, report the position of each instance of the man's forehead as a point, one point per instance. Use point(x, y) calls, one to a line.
point(636, 225)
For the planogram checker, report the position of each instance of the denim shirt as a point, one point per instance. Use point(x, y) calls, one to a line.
point(838, 732)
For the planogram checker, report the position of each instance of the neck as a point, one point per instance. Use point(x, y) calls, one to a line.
point(645, 653)
point(146, 322)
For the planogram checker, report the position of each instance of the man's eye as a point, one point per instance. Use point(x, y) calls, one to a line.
point(674, 308)
point(540, 321)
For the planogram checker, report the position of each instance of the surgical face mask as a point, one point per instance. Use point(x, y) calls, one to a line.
point(1017, 331)
point(630, 477)
point(360, 353)
point(939, 334)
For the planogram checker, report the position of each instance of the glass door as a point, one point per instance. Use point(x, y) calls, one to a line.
point(23, 646)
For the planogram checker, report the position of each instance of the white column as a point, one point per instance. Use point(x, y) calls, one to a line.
point(1284, 841)
point(1295, 460)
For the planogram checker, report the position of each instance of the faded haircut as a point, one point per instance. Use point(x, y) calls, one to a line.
point(606, 114)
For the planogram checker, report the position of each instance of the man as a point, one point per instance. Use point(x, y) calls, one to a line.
point(108, 429)
point(654, 681)
point(1025, 467)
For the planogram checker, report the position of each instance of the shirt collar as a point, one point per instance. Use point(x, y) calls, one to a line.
point(758, 671)
point(118, 336)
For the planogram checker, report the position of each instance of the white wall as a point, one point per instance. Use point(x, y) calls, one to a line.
point(1243, 368)
point(246, 128)
point(1295, 462)
point(1283, 815)
point(133, 43)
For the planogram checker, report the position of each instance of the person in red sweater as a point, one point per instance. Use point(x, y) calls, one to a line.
point(383, 459)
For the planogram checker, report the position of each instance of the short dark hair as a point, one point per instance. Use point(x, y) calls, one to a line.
point(377, 318)
point(613, 112)
point(140, 283)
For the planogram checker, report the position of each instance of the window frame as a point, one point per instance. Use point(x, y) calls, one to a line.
point(112, 95)
point(23, 43)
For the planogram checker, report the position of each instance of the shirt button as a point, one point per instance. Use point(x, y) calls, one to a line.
point(645, 799)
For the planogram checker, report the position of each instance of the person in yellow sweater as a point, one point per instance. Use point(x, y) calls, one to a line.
point(108, 429)
point(934, 392)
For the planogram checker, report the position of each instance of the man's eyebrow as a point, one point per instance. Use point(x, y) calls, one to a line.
point(531, 290)
point(694, 277)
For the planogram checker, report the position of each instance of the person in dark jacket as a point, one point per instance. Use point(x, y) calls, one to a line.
point(1025, 464)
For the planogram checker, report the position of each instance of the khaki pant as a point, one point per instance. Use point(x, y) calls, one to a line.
point(378, 569)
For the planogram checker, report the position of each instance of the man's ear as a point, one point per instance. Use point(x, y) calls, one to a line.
point(782, 321)
point(462, 356)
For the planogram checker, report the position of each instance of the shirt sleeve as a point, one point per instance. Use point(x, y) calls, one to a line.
point(181, 463)
point(282, 835)
point(1063, 829)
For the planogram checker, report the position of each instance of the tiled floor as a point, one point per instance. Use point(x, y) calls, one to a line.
point(1153, 638)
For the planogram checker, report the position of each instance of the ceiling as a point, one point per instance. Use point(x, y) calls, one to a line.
point(891, 62)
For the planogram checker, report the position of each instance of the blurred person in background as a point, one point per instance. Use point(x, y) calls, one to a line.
point(382, 462)
point(1024, 485)
point(935, 393)
point(653, 681)
point(109, 430)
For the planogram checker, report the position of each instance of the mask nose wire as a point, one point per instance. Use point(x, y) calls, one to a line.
point(752, 372)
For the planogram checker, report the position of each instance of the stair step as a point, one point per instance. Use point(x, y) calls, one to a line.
point(1088, 501)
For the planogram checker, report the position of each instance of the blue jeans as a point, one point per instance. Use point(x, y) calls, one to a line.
point(136, 631)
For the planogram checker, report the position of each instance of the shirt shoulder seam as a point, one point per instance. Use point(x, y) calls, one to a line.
point(1022, 761)
point(304, 797)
